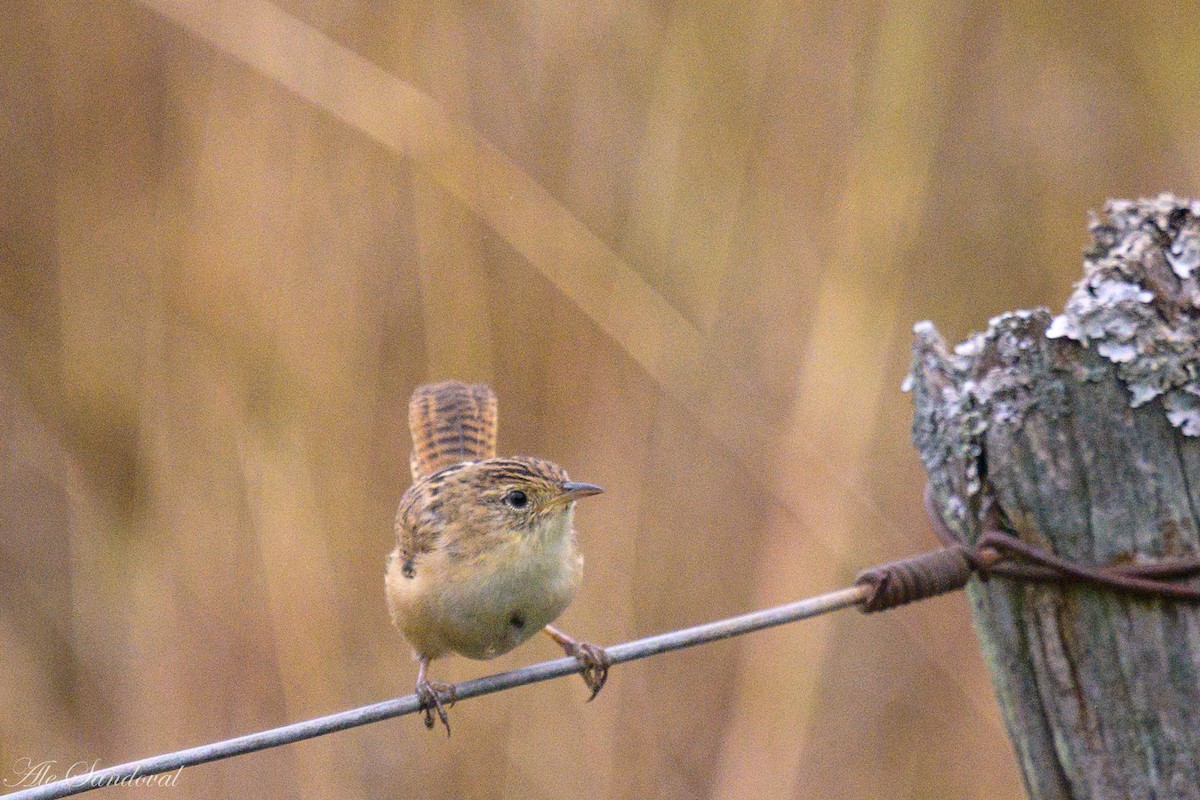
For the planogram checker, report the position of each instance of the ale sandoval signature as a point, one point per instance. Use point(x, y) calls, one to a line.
point(27, 772)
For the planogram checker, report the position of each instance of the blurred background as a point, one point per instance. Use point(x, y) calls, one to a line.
point(685, 242)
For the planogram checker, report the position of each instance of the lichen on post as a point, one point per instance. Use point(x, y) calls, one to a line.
point(1083, 429)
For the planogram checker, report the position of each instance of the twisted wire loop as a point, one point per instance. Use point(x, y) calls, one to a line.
point(926, 575)
point(1000, 553)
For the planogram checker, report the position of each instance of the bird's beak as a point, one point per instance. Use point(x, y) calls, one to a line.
point(573, 490)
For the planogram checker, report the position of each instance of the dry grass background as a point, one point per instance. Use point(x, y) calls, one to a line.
point(684, 242)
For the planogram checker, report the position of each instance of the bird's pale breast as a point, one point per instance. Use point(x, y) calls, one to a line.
point(488, 605)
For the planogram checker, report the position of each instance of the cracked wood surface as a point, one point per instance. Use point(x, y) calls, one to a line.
point(1083, 428)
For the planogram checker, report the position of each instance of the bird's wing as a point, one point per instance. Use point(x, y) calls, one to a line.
point(418, 526)
point(451, 422)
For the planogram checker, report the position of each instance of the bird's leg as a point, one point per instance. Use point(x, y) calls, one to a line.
point(430, 695)
point(591, 658)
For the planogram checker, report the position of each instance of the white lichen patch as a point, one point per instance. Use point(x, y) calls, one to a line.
point(959, 398)
point(1139, 302)
point(1183, 410)
point(1184, 253)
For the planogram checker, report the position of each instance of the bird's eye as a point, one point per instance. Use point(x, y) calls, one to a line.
point(516, 499)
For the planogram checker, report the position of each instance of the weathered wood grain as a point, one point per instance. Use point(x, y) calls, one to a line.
point(1083, 428)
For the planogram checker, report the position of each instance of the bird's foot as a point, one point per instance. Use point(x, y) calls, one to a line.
point(595, 666)
point(594, 662)
point(592, 659)
point(435, 698)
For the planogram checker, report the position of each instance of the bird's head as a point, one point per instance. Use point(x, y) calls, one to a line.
point(518, 494)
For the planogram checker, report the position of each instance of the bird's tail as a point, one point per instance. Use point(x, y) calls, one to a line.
point(451, 422)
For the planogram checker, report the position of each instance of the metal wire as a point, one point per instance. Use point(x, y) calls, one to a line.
point(629, 651)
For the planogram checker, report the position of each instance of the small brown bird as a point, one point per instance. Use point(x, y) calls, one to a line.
point(486, 553)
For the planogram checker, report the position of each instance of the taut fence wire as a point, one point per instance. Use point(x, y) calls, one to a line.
point(997, 552)
point(409, 704)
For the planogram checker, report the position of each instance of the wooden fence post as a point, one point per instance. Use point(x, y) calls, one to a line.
point(1083, 428)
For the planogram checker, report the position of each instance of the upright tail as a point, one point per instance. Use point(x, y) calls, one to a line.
point(451, 422)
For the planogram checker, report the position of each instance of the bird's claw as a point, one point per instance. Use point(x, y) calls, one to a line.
point(594, 663)
point(436, 698)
